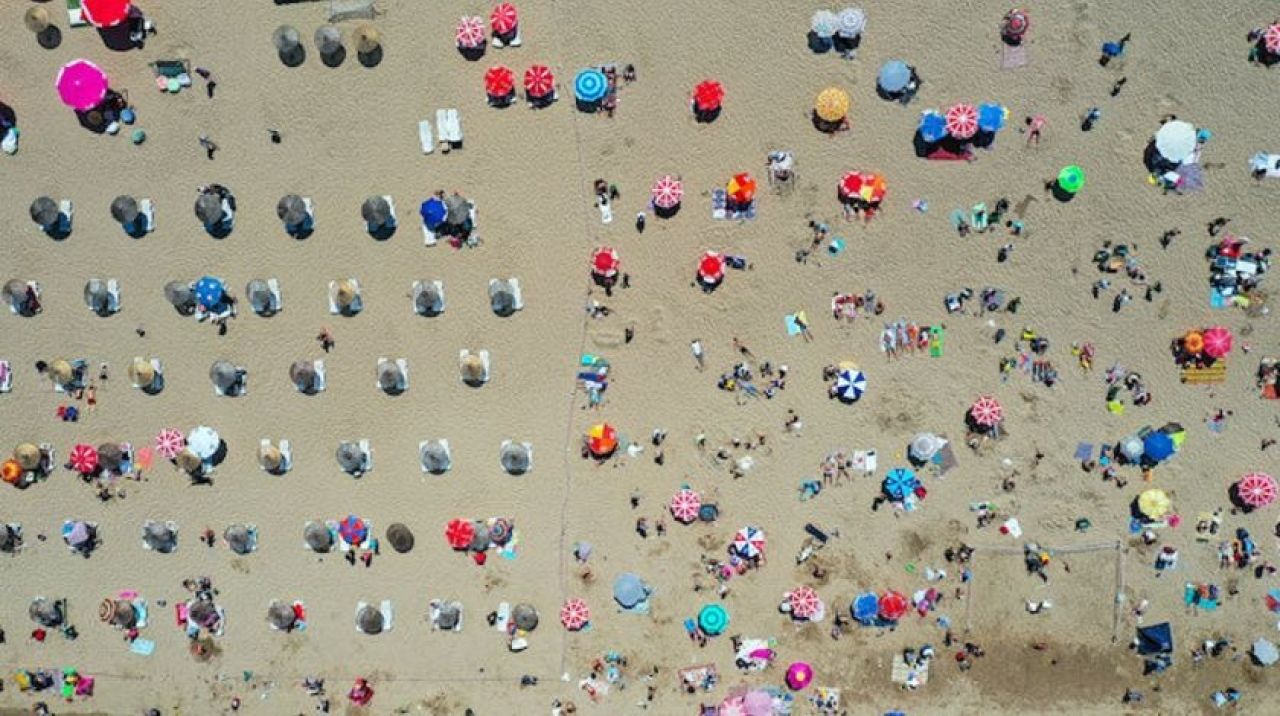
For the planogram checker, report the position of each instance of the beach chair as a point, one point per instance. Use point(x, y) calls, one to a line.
point(6, 377)
point(606, 210)
point(66, 210)
point(424, 137)
point(365, 450)
point(286, 455)
point(320, 379)
point(75, 16)
point(449, 127)
point(308, 222)
point(391, 221)
point(147, 210)
point(360, 606)
point(429, 237)
point(277, 302)
point(113, 295)
point(48, 458)
point(388, 614)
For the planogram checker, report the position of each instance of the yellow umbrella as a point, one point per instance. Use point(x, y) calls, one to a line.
point(60, 372)
point(832, 104)
point(142, 373)
point(346, 292)
point(1155, 503)
point(27, 455)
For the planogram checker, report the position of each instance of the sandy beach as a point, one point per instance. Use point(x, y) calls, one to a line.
point(348, 133)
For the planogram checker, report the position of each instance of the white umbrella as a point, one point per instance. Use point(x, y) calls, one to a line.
point(924, 446)
point(203, 441)
point(850, 22)
point(1131, 447)
point(824, 23)
point(1265, 652)
point(1176, 140)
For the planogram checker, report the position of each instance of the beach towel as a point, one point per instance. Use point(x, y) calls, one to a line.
point(1013, 56)
point(1084, 451)
point(143, 647)
point(936, 337)
point(941, 154)
point(978, 217)
point(720, 207)
point(793, 323)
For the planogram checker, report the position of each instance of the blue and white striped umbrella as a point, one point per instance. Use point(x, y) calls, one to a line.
point(209, 291)
point(850, 385)
point(590, 85)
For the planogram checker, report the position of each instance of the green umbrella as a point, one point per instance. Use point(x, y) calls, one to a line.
point(1071, 179)
point(713, 619)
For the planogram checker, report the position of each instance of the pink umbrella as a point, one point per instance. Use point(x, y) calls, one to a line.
point(732, 706)
point(685, 505)
point(470, 32)
point(962, 121)
point(504, 18)
point(1217, 342)
point(804, 602)
point(170, 442)
point(574, 614)
point(799, 674)
point(667, 192)
point(758, 703)
point(82, 85)
point(1256, 489)
point(84, 459)
point(986, 411)
point(1271, 39)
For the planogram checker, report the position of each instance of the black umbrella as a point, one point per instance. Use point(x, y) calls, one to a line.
point(291, 209)
point(317, 536)
point(369, 620)
point(375, 210)
point(435, 458)
point(110, 456)
point(124, 209)
point(525, 617)
point(224, 375)
point(516, 459)
point(44, 211)
point(209, 208)
point(400, 537)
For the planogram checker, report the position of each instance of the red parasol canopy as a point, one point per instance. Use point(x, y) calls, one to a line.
point(1217, 342)
point(893, 605)
point(470, 32)
point(1016, 23)
point(539, 81)
point(986, 411)
point(574, 614)
point(1257, 489)
point(962, 121)
point(742, 188)
point(685, 505)
point(105, 13)
point(459, 533)
point(602, 440)
point(170, 442)
point(504, 18)
point(707, 96)
point(804, 602)
point(867, 187)
point(84, 459)
point(353, 530)
point(499, 81)
point(1271, 39)
point(711, 267)
point(604, 262)
point(667, 192)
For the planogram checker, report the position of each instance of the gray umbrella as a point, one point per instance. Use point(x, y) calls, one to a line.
point(303, 375)
point(258, 294)
point(525, 617)
point(203, 612)
point(317, 536)
point(95, 295)
point(15, 291)
point(224, 375)
point(110, 456)
point(400, 537)
point(159, 537)
point(435, 458)
point(281, 616)
point(124, 209)
point(286, 39)
point(291, 209)
point(45, 612)
point(123, 614)
point(501, 299)
point(369, 620)
point(328, 39)
point(44, 211)
point(209, 208)
point(459, 210)
point(480, 539)
point(515, 459)
point(350, 458)
point(179, 294)
point(375, 210)
point(449, 615)
point(428, 302)
point(390, 377)
point(239, 538)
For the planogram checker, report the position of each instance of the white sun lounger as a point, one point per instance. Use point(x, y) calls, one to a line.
point(75, 16)
point(368, 456)
point(429, 237)
point(311, 210)
point(264, 445)
point(320, 379)
point(424, 137)
point(148, 211)
point(6, 377)
point(67, 210)
point(449, 127)
point(606, 212)
point(286, 455)
point(277, 301)
point(113, 295)
point(504, 616)
point(388, 615)
point(360, 606)
point(391, 204)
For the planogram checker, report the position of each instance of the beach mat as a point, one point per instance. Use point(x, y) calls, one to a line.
point(1215, 373)
point(1012, 57)
point(720, 207)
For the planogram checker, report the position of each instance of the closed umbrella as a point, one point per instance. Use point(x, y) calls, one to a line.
point(470, 33)
point(894, 76)
point(629, 590)
point(44, 211)
point(124, 209)
point(933, 126)
point(590, 85)
point(962, 120)
point(239, 538)
point(539, 81)
point(350, 457)
point(1176, 140)
point(27, 455)
point(525, 617)
point(667, 192)
point(209, 208)
point(499, 81)
point(224, 375)
point(179, 294)
point(317, 536)
point(159, 537)
point(824, 24)
point(435, 457)
point(850, 22)
point(574, 614)
point(369, 620)
point(291, 209)
point(110, 456)
point(303, 375)
point(400, 537)
point(82, 85)
point(105, 13)
point(281, 616)
point(459, 533)
point(204, 441)
point(515, 459)
point(832, 104)
point(376, 211)
point(328, 39)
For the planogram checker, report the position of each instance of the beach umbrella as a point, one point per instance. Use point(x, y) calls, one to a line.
point(345, 292)
point(27, 456)
point(962, 120)
point(868, 187)
point(95, 295)
point(188, 462)
point(435, 457)
point(60, 372)
point(369, 620)
point(933, 126)
point(1154, 503)
point(224, 375)
point(893, 605)
point(1217, 342)
point(36, 19)
point(317, 536)
point(742, 188)
point(159, 537)
point(539, 81)
point(45, 612)
point(328, 39)
point(924, 446)
point(459, 533)
point(473, 371)
point(258, 293)
point(458, 210)
point(749, 542)
point(708, 96)
point(832, 104)
point(804, 602)
point(239, 538)
point(291, 209)
point(574, 614)
point(501, 299)
point(110, 456)
point(799, 674)
point(428, 301)
point(209, 208)
point(499, 81)
point(203, 441)
point(286, 38)
point(504, 18)
point(894, 76)
point(1158, 447)
point(711, 268)
point(124, 209)
point(824, 23)
point(76, 533)
point(367, 39)
point(708, 512)
point(850, 385)
point(713, 619)
point(400, 537)
point(500, 530)
point(986, 411)
point(281, 615)
point(865, 607)
point(83, 458)
point(1176, 140)
point(269, 457)
point(118, 613)
point(375, 211)
point(629, 590)
point(203, 612)
point(685, 505)
point(82, 85)
point(525, 617)
point(105, 13)
point(1193, 342)
point(44, 211)
point(1271, 39)
point(303, 375)
point(991, 117)
point(757, 702)
point(1015, 24)
point(1256, 489)
point(349, 455)
point(169, 443)
point(602, 440)
point(433, 212)
point(179, 294)
point(1071, 179)
point(604, 262)
point(353, 530)
point(448, 614)
point(900, 482)
point(850, 22)
point(1131, 448)
point(480, 536)
point(1264, 652)
point(590, 85)
point(515, 459)
point(667, 192)
point(209, 291)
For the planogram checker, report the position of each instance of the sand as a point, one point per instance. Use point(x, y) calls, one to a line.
point(349, 133)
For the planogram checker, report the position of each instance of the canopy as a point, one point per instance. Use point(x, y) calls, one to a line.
point(504, 18)
point(986, 411)
point(1071, 179)
point(499, 81)
point(991, 117)
point(83, 458)
point(604, 262)
point(433, 212)
point(1176, 140)
point(629, 590)
point(291, 209)
point(1155, 639)
point(667, 192)
point(602, 440)
point(685, 505)
point(850, 385)
point(105, 13)
point(170, 442)
point(713, 619)
point(369, 620)
point(434, 456)
point(708, 95)
point(868, 187)
point(933, 126)
point(459, 533)
point(1158, 447)
point(209, 291)
point(470, 33)
point(962, 120)
point(865, 607)
point(590, 85)
point(203, 441)
point(353, 530)
point(894, 76)
point(539, 81)
point(850, 22)
point(893, 605)
point(742, 188)
point(82, 85)
point(749, 542)
point(804, 602)
point(1217, 342)
point(799, 674)
point(574, 614)
point(525, 617)
point(711, 267)
point(824, 23)
point(1271, 39)
point(317, 536)
point(900, 482)
point(1256, 489)
point(1154, 503)
point(1015, 23)
point(45, 211)
point(832, 104)
point(400, 537)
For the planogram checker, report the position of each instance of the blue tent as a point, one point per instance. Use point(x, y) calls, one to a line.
point(991, 117)
point(866, 607)
point(1155, 639)
point(899, 482)
point(433, 212)
point(933, 126)
point(1157, 447)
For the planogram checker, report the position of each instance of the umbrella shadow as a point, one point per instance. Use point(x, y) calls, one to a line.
point(220, 230)
point(335, 58)
point(294, 56)
point(301, 233)
point(383, 232)
point(818, 44)
point(706, 117)
point(117, 38)
point(49, 38)
point(471, 54)
point(58, 232)
point(220, 454)
point(370, 59)
point(156, 386)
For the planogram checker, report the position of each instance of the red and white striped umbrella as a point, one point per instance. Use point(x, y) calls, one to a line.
point(539, 81)
point(84, 459)
point(986, 411)
point(962, 121)
point(1257, 489)
point(685, 505)
point(804, 602)
point(575, 614)
point(604, 262)
point(504, 18)
point(667, 192)
point(499, 81)
point(170, 442)
point(1271, 39)
point(470, 32)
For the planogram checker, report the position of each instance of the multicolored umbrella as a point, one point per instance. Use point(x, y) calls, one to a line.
point(84, 458)
point(1271, 39)
point(850, 22)
point(459, 533)
point(991, 117)
point(749, 542)
point(209, 291)
point(986, 411)
point(575, 614)
point(604, 262)
point(667, 192)
point(962, 120)
point(832, 104)
point(82, 85)
point(685, 505)
point(1256, 489)
point(900, 482)
point(170, 442)
point(804, 602)
point(504, 19)
point(824, 24)
point(850, 385)
point(713, 619)
point(1155, 503)
point(1015, 24)
point(500, 530)
point(893, 605)
point(711, 268)
point(1217, 342)
point(933, 126)
point(105, 13)
point(539, 81)
point(470, 33)
point(590, 85)
point(869, 187)
point(602, 440)
point(499, 81)
point(707, 96)
point(742, 188)
point(1193, 342)
point(353, 530)
point(204, 441)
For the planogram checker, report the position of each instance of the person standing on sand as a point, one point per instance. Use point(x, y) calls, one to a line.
point(326, 339)
point(1035, 125)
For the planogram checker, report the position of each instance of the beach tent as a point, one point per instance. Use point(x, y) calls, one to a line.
point(1155, 639)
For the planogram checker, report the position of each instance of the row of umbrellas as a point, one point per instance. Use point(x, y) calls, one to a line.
point(848, 23)
point(1215, 342)
point(476, 535)
point(470, 32)
point(500, 81)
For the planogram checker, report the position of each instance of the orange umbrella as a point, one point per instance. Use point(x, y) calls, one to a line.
point(742, 188)
point(11, 471)
point(868, 187)
point(602, 440)
point(1193, 342)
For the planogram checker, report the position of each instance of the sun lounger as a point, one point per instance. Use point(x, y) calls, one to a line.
point(504, 617)
point(360, 606)
point(606, 211)
point(368, 456)
point(277, 301)
point(147, 210)
point(113, 295)
point(320, 380)
point(428, 236)
point(310, 221)
point(516, 296)
point(391, 220)
point(75, 16)
point(286, 455)
point(424, 137)
point(1215, 373)
point(449, 127)
point(388, 614)
point(6, 377)
point(66, 210)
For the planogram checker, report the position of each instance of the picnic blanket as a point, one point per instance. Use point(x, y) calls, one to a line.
point(1215, 373)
